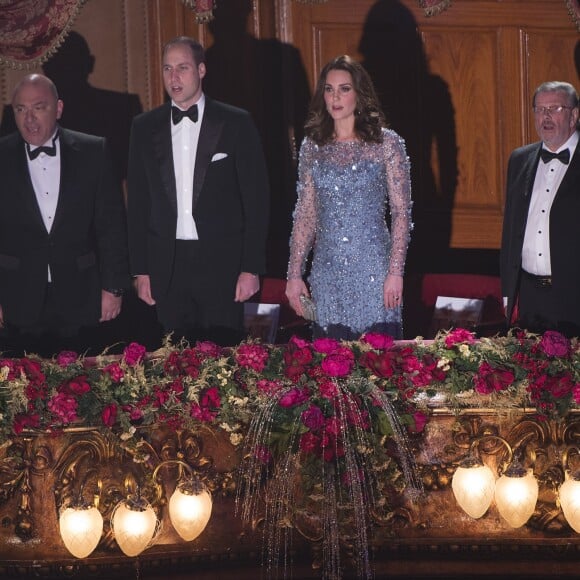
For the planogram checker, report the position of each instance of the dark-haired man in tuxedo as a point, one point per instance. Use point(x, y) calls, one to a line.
point(63, 247)
point(197, 205)
point(540, 269)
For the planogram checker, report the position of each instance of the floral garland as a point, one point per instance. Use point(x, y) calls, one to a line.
point(184, 386)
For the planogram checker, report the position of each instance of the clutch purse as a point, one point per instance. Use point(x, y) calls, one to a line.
point(308, 308)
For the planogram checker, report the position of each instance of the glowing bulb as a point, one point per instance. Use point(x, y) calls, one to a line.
point(570, 500)
point(473, 486)
point(516, 494)
point(80, 529)
point(190, 509)
point(134, 525)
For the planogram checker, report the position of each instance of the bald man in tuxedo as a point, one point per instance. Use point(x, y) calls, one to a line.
point(63, 247)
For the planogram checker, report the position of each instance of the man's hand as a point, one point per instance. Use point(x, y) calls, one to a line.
point(247, 285)
point(110, 306)
point(143, 287)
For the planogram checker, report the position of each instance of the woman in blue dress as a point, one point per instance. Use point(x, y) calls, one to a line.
point(352, 170)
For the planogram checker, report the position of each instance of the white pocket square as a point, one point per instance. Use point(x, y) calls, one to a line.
point(219, 156)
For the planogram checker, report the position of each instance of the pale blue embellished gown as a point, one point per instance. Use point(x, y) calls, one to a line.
point(344, 191)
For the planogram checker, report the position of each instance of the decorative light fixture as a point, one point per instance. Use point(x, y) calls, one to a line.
point(473, 485)
point(569, 493)
point(81, 527)
point(515, 492)
point(190, 505)
point(134, 524)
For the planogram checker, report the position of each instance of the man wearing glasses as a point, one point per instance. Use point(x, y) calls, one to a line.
point(540, 268)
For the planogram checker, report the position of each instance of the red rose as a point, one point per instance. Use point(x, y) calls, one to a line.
point(309, 443)
point(379, 364)
point(313, 418)
point(378, 341)
point(337, 365)
point(490, 379)
point(22, 422)
point(208, 349)
point(328, 389)
point(420, 420)
point(109, 415)
point(76, 386)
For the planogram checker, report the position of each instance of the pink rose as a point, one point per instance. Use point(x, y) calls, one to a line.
point(208, 349)
point(64, 406)
point(267, 387)
point(378, 341)
point(252, 356)
point(325, 345)
point(134, 353)
point(115, 371)
point(555, 344)
point(293, 398)
point(420, 420)
point(298, 342)
point(66, 358)
point(459, 335)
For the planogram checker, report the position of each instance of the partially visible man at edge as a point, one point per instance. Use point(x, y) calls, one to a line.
point(540, 268)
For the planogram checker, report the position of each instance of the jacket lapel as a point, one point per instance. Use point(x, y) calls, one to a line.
point(211, 128)
point(569, 184)
point(163, 150)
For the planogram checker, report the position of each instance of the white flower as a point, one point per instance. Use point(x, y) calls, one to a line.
point(127, 435)
point(236, 438)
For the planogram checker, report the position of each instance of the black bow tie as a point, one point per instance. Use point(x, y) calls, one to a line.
point(563, 156)
point(178, 114)
point(49, 150)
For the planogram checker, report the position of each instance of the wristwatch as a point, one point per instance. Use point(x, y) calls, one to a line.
point(118, 292)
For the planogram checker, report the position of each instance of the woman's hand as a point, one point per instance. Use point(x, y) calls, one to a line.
point(294, 289)
point(393, 291)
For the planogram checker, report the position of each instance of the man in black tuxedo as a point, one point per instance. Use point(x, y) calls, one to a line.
point(63, 247)
point(197, 205)
point(540, 269)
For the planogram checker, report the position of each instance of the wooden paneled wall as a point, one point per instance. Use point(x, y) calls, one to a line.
point(456, 86)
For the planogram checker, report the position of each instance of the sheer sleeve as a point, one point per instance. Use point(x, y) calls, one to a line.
point(400, 203)
point(304, 226)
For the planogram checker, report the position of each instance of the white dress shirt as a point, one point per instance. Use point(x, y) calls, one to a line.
point(45, 176)
point(184, 139)
point(536, 248)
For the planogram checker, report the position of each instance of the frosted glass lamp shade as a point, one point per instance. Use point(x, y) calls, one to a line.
point(473, 489)
point(515, 497)
point(570, 501)
point(134, 526)
point(80, 529)
point(190, 509)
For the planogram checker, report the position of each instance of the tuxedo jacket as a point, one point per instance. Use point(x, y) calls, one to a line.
point(230, 196)
point(564, 231)
point(86, 248)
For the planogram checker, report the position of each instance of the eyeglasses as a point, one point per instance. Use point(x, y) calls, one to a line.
point(552, 110)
